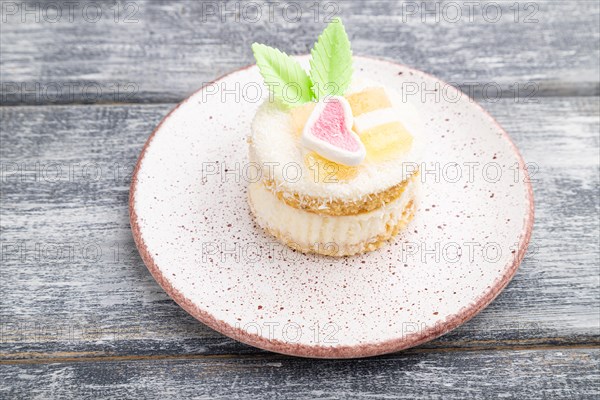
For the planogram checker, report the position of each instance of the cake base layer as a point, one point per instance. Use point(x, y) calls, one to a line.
point(331, 235)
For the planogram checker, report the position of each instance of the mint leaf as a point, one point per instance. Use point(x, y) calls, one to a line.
point(331, 61)
point(285, 78)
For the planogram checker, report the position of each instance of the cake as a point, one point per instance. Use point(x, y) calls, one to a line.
point(338, 157)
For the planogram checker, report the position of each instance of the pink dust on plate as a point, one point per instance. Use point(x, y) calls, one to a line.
point(330, 127)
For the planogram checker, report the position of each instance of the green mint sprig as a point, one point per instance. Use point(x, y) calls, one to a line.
point(330, 68)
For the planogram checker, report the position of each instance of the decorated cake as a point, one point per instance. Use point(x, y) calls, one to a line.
point(338, 152)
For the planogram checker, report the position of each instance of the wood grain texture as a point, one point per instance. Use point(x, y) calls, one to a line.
point(75, 287)
point(556, 374)
point(81, 317)
point(159, 51)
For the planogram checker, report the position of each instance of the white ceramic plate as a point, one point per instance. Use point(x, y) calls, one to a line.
point(193, 228)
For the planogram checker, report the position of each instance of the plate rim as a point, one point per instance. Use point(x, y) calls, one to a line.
point(344, 351)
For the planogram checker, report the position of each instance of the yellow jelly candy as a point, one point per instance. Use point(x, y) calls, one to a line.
point(324, 171)
point(385, 141)
point(300, 115)
point(368, 100)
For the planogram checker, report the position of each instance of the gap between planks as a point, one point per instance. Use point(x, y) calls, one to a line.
point(592, 89)
point(72, 358)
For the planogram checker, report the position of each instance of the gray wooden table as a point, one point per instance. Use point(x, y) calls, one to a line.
point(81, 317)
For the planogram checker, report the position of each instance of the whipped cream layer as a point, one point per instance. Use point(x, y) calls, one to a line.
point(276, 148)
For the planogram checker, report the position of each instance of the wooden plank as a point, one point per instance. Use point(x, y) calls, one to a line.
point(160, 51)
point(551, 374)
point(77, 303)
